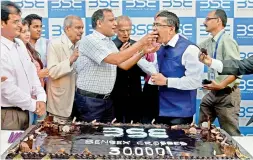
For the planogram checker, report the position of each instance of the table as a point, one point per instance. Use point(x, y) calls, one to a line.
point(5, 134)
point(245, 142)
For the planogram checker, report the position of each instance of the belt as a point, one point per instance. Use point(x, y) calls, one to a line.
point(226, 90)
point(12, 108)
point(93, 95)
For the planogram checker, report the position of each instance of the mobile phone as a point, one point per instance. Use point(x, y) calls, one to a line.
point(206, 81)
point(203, 50)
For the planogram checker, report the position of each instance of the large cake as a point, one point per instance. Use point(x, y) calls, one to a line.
point(73, 140)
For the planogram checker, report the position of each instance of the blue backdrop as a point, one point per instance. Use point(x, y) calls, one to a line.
point(192, 14)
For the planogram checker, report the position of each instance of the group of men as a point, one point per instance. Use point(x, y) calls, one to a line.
point(94, 77)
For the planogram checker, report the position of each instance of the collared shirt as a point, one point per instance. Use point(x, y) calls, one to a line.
point(94, 75)
point(227, 49)
point(41, 47)
point(23, 81)
point(194, 68)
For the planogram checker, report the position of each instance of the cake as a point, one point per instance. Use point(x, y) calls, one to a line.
point(76, 140)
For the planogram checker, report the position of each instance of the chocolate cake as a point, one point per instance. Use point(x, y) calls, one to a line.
point(49, 140)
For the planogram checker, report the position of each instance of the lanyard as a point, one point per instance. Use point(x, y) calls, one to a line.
point(217, 44)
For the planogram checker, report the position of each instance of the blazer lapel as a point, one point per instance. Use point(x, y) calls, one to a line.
point(65, 46)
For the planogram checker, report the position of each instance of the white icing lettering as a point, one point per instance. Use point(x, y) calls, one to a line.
point(136, 133)
point(158, 133)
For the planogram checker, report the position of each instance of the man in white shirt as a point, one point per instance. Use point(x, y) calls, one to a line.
point(63, 52)
point(180, 71)
point(23, 81)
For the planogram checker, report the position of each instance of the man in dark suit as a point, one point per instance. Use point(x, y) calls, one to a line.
point(229, 67)
point(127, 91)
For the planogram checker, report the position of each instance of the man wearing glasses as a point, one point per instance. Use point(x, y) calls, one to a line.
point(223, 100)
point(180, 71)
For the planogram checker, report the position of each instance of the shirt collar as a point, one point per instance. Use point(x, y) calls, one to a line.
point(215, 38)
point(101, 36)
point(8, 43)
point(173, 41)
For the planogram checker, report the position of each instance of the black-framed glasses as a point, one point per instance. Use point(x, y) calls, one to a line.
point(160, 25)
point(210, 18)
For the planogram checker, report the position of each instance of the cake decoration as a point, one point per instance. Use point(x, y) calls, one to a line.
point(95, 140)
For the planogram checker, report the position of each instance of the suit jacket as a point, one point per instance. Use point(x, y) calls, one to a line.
point(62, 77)
point(237, 67)
point(127, 90)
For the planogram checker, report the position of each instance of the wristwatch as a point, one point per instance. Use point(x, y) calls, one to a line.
point(166, 82)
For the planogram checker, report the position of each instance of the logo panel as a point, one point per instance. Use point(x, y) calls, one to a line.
point(205, 6)
point(135, 8)
point(93, 5)
point(32, 6)
point(243, 29)
point(243, 8)
point(62, 8)
point(182, 8)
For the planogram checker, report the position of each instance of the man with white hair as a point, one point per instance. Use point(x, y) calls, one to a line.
point(62, 53)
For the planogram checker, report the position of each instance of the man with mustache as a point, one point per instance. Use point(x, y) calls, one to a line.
point(223, 100)
point(62, 54)
point(96, 66)
point(229, 67)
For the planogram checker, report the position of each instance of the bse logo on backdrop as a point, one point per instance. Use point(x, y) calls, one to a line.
point(32, 6)
point(93, 5)
point(246, 87)
point(88, 26)
point(62, 8)
point(246, 51)
point(56, 27)
point(141, 27)
point(203, 35)
point(44, 28)
point(182, 8)
point(243, 8)
point(187, 28)
point(205, 6)
point(246, 113)
point(143, 8)
point(243, 28)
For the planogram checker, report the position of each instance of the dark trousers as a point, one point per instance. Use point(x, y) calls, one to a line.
point(128, 108)
point(174, 120)
point(225, 105)
point(14, 118)
point(90, 108)
point(151, 103)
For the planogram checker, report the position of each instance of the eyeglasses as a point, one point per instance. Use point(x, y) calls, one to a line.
point(210, 18)
point(160, 25)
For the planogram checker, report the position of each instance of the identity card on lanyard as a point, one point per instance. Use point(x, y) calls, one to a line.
point(212, 73)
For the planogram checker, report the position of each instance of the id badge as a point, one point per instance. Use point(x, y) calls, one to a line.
point(211, 75)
